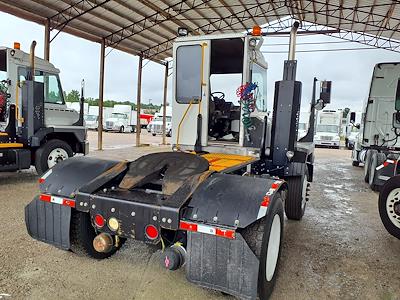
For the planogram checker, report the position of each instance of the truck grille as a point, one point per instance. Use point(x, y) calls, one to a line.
point(157, 127)
point(326, 138)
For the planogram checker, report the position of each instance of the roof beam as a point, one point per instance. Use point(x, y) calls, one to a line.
point(219, 15)
point(182, 14)
point(69, 13)
point(165, 46)
point(119, 24)
point(144, 23)
point(165, 13)
point(369, 15)
point(136, 11)
point(233, 14)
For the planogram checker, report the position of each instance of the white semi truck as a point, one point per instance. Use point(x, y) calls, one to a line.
point(327, 132)
point(352, 128)
point(156, 125)
point(37, 128)
point(122, 119)
point(378, 143)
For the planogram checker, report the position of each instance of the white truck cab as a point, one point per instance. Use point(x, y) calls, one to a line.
point(327, 132)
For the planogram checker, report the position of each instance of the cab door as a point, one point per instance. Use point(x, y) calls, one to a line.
point(190, 92)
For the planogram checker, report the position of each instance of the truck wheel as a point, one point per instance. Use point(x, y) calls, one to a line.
point(264, 238)
point(153, 134)
point(295, 203)
point(367, 164)
point(50, 154)
point(82, 235)
point(376, 160)
point(389, 206)
point(355, 163)
point(122, 129)
point(169, 133)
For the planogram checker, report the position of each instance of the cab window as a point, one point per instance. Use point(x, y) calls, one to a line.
point(52, 86)
point(259, 76)
point(188, 74)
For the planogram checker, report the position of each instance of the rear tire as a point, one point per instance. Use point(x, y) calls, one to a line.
point(82, 235)
point(122, 129)
point(153, 134)
point(367, 163)
point(389, 206)
point(264, 238)
point(51, 152)
point(295, 203)
point(355, 163)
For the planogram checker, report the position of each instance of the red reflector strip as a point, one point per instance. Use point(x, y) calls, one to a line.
point(46, 198)
point(187, 226)
point(230, 234)
point(265, 201)
point(41, 180)
point(226, 233)
point(274, 185)
point(385, 164)
point(57, 200)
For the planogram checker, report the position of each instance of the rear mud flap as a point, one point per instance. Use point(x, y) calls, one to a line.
point(48, 222)
point(227, 265)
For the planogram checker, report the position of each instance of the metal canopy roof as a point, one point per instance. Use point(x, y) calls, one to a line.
point(148, 27)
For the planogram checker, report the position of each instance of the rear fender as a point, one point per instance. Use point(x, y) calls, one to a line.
point(232, 200)
point(65, 178)
point(385, 171)
point(48, 217)
point(48, 222)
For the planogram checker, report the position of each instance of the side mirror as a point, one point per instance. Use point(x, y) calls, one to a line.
point(397, 101)
point(352, 117)
point(325, 94)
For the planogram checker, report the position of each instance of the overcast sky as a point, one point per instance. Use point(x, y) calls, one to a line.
point(77, 58)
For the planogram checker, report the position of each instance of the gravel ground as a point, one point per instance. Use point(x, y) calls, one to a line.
point(339, 250)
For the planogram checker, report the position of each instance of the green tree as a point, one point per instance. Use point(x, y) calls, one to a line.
point(73, 96)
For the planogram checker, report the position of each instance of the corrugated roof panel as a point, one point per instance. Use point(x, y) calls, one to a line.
point(156, 22)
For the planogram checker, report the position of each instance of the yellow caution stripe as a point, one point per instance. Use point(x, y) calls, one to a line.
point(221, 161)
point(11, 145)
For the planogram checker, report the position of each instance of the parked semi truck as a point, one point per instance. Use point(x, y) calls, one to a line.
point(122, 119)
point(156, 125)
point(37, 127)
point(328, 128)
point(214, 206)
point(378, 144)
point(352, 129)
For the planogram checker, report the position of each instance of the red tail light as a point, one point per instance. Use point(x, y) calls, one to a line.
point(151, 232)
point(99, 220)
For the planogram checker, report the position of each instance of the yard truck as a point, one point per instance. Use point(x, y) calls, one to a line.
point(215, 204)
point(36, 127)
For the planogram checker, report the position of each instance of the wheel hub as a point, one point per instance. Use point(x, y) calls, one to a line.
point(396, 208)
point(57, 155)
point(393, 207)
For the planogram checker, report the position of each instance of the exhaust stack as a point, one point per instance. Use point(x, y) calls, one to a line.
point(32, 60)
point(292, 41)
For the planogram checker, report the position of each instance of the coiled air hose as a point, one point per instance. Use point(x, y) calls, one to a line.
point(247, 94)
